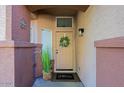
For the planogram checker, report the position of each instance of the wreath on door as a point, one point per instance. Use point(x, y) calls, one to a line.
point(64, 41)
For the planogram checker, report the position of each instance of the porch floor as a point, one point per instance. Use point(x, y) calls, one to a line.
point(39, 82)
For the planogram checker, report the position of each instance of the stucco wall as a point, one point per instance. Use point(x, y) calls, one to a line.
point(99, 22)
point(110, 62)
point(6, 64)
point(2, 22)
point(16, 52)
point(44, 21)
point(18, 13)
point(23, 62)
point(23, 49)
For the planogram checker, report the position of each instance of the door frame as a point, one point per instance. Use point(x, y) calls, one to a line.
point(55, 57)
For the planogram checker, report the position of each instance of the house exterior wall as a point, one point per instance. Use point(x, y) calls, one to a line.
point(44, 21)
point(47, 21)
point(23, 62)
point(23, 49)
point(16, 52)
point(38, 60)
point(16, 63)
point(99, 22)
point(2, 22)
point(18, 13)
point(6, 64)
point(109, 62)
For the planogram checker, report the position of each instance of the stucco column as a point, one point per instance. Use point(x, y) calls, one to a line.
point(16, 51)
point(38, 64)
point(8, 22)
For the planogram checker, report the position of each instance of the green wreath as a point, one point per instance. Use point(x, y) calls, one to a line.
point(64, 41)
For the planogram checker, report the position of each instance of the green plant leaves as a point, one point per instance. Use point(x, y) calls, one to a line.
point(46, 61)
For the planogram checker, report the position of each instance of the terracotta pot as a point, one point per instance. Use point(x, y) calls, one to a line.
point(46, 76)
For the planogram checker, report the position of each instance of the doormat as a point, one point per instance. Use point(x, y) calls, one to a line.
point(61, 76)
point(65, 77)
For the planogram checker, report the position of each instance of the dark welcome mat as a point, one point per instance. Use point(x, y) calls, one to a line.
point(65, 77)
point(61, 76)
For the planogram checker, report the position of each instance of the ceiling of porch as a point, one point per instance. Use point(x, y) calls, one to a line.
point(57, 10)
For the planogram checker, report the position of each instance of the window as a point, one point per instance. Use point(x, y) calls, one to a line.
point(64, 22)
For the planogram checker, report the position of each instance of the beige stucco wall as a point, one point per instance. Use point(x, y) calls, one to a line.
point(2, 22)
point(99, 22)
point(44, 21)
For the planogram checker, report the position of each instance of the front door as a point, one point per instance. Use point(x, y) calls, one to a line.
point(64, 55)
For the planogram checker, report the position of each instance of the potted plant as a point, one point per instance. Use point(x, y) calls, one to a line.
point(46, 65)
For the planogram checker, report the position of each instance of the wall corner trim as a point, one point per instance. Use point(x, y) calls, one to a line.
point(112, 42)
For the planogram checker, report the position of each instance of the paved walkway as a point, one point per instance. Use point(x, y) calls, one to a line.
point(42, 83)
